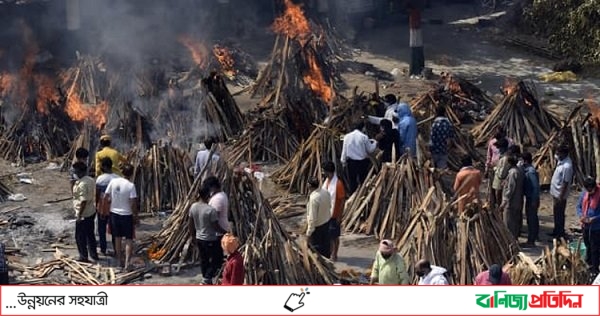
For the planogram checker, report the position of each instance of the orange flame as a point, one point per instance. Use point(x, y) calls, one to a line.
point(226, 60)
point(6, 84)
point(46, 93)
point(197, 50)
point(80, 112)
point(315, 80)
point(292, 23)
point(509, 86)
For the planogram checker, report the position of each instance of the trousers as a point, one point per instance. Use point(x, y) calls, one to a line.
point(85, 238)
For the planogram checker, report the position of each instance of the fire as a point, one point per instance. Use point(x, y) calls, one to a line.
point(292, 23)
point(80, 112)
point(315, 80)
point(509, 86)
point(46, 93)
point(6, 84)
point(226, 60)
point(197, 49)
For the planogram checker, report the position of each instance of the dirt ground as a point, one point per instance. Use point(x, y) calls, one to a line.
point(45, 219)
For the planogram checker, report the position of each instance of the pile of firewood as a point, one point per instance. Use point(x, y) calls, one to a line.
point(89, 138)
point(130, 127)
point(257, 228)
point(559, 266)
point(525, 120)
point(381, 206)
point(74, 272)
point(288, 206)
point(580, 135)
point(5, 192)
point(463, 244)
point(162, 177)
point(324, 143)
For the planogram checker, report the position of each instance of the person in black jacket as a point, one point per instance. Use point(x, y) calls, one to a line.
point(387, 140)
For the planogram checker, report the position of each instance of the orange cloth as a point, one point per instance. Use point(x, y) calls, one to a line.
point(468, 181)
point(230, 243)
point(339, 201)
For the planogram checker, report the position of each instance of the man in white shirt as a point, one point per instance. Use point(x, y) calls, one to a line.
point(219, 201)
point(391, 103)
point(356, 149)
point(429, 274)
point(103, 216)
point(559, 189)
point(122, 198)
point(203, 156)
point(318, 213)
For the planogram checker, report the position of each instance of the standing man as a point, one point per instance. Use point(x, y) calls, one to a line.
point(429, 274)
point(500, 172)
point(103, 214)
point(122, 198)
point(417, 56)
point(204, 227)
point(391, 103)
point(559, 189)
point(218, 200)
point(512, 198)
point(588, 211)
point(407, 127)
point(356, 149)
point(318, 213)
point(388, 140)
point(531, 189)
point(389, 267)
point(492, 158)
point(81, 155)
point(493, 276)
point(335, 187)
point(203, 156)
point(84, 199)
point(113, 154)
point(467, 182)
point(442, 132)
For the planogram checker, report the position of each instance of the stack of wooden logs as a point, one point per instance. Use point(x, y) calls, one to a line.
point(578, 133)
point(324, 144)
point(382, 205)
point(525, 120)
point(162, 177)
point(74, 272)
point(257, 228)
point(89, 138)
point(558, 266)
point(465, 244)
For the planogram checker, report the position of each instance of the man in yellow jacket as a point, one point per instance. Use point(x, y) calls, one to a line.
point(108, 152)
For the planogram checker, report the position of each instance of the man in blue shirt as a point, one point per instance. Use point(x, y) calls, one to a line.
point(442, 132)
point(531, 190)
point(588, 211)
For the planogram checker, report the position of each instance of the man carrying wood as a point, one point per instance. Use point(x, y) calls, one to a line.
point(356, 148)
point(203, 156)
point(335, 187)
point(442, 132)
point(512, 198)
point(389, 267)
point(122, 197)
point(531, 189)
point(204, 227)
point(588, 211)
point(467, 183)
point(429, 274)
point(107, 151)
point(318, 214)
point(84, 199)
point(559, 189)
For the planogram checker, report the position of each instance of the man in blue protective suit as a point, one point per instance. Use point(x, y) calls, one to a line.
point(407, 127)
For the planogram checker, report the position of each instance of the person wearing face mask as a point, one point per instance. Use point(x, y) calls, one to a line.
point(356, 148)
point(588, 211)
point(389, 267)
point(429, 274)
point(559, 189)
